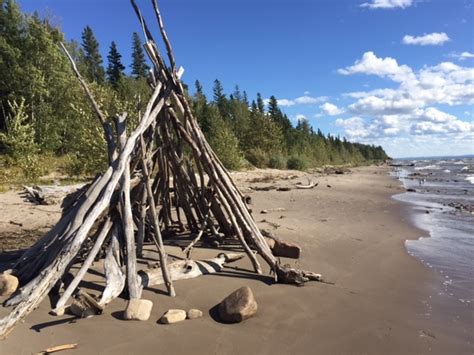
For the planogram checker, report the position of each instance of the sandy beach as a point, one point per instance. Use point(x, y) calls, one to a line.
point(350, 229)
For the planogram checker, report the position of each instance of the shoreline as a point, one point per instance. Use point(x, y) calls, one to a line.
point(353, 233)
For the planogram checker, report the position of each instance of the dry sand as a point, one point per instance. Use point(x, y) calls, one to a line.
point(383, 301)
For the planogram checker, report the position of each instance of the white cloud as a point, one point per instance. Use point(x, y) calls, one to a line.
point(330, 109)
point(302, 100)
point(383, 67)
point(461, 56)
point(445, 83)
point(430, 39)
point(409, 113)
point(387, 4)
point(300, 118)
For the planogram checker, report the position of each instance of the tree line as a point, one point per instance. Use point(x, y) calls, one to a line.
point(43, 111)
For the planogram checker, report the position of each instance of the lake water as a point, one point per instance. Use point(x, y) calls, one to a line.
point(441, 193)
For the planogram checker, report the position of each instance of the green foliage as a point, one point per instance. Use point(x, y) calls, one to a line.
point(277, 162)
point(297, 163)
point(19, 141)
point(257, 157)
point(92, 58)
point(139, 66)
point(223, 141)
point(45, 113)
point(115, 67)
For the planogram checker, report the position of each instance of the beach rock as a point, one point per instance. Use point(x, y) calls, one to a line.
point(194, 314)
point(238, 306)
point(286, 249)
point(173, 316)
point(138, 309)
point(270, 242)
point(8, 284)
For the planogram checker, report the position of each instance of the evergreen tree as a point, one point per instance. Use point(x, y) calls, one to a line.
point(220, 99)
point(260, 104)
point(92, 58)
point(273, 109)
point(115, 68)
point(139, 66)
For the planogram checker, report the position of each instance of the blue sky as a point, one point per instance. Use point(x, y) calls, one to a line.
point(399, 73)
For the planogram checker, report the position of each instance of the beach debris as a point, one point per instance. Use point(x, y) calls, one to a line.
point(172, 316)
point(16, 223)
point(238, 306)
point(48, 194)
point(156, 183)
point(263, 188)
point(58, 348)
point(83, 306)
point(284, 188)
point(279, 209)
point(194, 314)
point(248, 199)
point(411, 190)
point(328, 185)
point(138, 309)
point(8, 284)
point(311, 185)
point(188, 269)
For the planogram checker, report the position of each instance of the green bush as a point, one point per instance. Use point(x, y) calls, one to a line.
point(297, 163)
point(257, 157)
point(19, 140)
point(277, 162)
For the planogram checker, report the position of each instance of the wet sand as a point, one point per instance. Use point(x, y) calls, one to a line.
point(383, 301)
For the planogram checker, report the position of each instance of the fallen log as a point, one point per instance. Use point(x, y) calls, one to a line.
point(188, 269)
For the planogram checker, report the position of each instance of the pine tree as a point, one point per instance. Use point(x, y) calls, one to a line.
point(260, 104)
point(115, 67)
point(273, 109)
point(220, 99)
point(92, 58)
point(139, 66)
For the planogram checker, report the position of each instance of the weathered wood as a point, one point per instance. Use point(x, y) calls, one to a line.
point(188, 269)
point(114, 275)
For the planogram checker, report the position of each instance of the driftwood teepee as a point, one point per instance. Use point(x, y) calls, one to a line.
point(162, 177)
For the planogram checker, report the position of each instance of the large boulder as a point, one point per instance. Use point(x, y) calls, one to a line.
point(238, 306)
point(138, 309)
point(173, 316)
point(8, 284)
point(286, 249)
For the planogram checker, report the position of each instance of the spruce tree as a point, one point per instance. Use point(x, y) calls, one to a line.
point(115, 67)
point(139, 66)
point(92, 58)
point(220, 99)
point(260, 104)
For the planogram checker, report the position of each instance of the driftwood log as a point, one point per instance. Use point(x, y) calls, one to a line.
point(162, 177)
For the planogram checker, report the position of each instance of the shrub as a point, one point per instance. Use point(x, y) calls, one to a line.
point(277, 162)
point(21, 149)
point(297, 163)
point(257, 158)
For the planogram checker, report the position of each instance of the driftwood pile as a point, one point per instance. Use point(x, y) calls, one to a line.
point(163, 178)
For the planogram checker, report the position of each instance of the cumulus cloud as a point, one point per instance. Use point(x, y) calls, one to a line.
point(387, 4)
point(430, 39)
point(461, 56)
point(302, 100)
point(383, 67)
point(445, 83)
point(409, 110)
point(330, 109)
